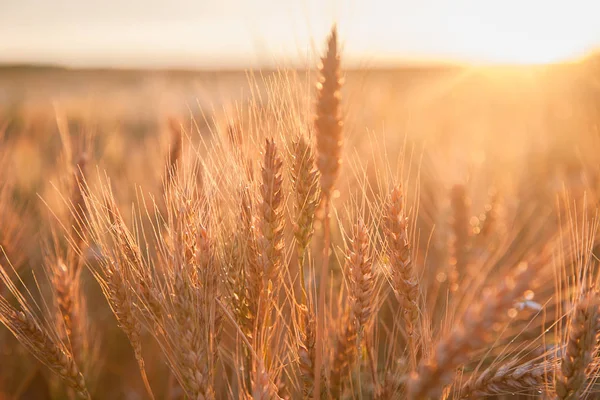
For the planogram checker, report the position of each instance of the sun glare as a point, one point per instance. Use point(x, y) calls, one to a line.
point(247, 34)
point(508, 41)
point(506, 49)
point(485, 31)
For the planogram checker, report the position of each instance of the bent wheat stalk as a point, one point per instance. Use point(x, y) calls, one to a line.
point(471, 333)
point(43, 343)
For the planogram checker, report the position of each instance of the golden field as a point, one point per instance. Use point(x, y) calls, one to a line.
point(410, 233)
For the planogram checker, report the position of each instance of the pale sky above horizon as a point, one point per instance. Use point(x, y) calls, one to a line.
point(222, 33)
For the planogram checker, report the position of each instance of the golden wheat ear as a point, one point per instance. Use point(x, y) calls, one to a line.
point(577, 352)
point(328, 120)
point(271, 219)
point(359, 269)
point(40, 339)
point(345, 354)
point(509, 376)
point(470, 334)
point(305, 181)
point(403, 279)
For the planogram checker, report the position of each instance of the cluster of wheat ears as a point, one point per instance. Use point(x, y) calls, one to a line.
point(251, 282)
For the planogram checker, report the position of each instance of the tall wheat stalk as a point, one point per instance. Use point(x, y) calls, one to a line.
point(328, 131)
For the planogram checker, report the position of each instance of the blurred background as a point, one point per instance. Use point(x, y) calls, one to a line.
point(173, 54)
point(241, 34)
point(472, 81)
point(491, 95)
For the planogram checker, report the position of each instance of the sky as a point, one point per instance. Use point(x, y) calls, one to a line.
point(251, 33)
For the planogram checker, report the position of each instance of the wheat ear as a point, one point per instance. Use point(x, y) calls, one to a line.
point(306, 349)
point(40, 341)
point(359, 267)
point(345, 353)
point(583, 327)
point(403, 279)
point(328, 121)
point(362, 288)
point(305, 180)
point(506, 377)
point(471, 333)
point(272, 222)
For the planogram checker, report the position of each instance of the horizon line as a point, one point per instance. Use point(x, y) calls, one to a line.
point(230, 67)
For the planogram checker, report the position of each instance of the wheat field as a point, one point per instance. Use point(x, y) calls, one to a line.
point(426, 233)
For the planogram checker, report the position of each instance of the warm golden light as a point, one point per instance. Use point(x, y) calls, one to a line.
point(290, 199)
point(515, 32)
point(238, 32)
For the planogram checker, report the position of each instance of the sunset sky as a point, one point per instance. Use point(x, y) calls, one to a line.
point(242, 33)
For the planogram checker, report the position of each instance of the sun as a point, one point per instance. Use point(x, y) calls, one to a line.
point(517, 32)
point(506, 48)
point(473, 31)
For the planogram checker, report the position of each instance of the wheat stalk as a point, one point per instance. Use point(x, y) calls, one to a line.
point(79, 206)
point(461, 229)
point(305, 180)
point(328, 132)
point(115, 271)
